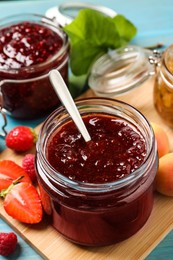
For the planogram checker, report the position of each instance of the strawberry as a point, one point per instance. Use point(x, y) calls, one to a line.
point(22, 202)
point(21, 138)
point(28, 164)
point(8, 243)
point(10, 171)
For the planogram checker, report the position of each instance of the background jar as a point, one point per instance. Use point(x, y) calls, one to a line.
point(163, 87)
point(119, 71)
point(99, 214)
point(27, 92)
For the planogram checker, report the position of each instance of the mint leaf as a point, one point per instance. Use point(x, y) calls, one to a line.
point(91, 34)
point(94, 27)
point(83, 54)
point(125, 28)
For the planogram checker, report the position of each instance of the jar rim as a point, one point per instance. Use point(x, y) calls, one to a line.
point(98, 187)
point(120, 70)
point(36, 18)
point(31, 79)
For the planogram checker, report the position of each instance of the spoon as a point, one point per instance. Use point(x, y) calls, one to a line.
point(66, 98)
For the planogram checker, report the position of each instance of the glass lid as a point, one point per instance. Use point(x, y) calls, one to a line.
point(66, 12)
point(120, 70)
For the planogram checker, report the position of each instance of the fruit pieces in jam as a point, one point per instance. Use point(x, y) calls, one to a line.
point(163, 88)
point(115, 150)
point(163, 100)
point(28, 51)
point(26, 44)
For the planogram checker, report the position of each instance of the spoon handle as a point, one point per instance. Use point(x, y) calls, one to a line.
point(66, 98)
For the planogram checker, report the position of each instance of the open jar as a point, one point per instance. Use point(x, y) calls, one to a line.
point(121, 70)
point(163, 87)
point(96, 208)
point(30, 46)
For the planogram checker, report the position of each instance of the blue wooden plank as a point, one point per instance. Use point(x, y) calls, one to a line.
point(164, 251)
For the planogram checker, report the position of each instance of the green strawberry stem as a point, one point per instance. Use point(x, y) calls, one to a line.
point(4, 192)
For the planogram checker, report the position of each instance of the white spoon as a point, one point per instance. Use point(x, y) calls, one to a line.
point(66, 98)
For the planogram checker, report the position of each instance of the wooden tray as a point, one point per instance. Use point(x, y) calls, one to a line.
point(51, 245)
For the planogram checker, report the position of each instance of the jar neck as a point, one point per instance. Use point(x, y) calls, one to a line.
point(124, 111)
point(31, 77)
point(63, 186)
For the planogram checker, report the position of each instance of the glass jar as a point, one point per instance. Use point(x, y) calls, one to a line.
point(30, 46)
point(120, 71)
point(163, 87)
point(98, 214)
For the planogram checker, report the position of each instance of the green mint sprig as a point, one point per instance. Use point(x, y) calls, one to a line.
point(92, 34)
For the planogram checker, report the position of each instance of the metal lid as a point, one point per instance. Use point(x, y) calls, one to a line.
point(66, 12)
point(120, 71)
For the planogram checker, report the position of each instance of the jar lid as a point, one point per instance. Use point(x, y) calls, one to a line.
point(120, 70)
point(66, 12)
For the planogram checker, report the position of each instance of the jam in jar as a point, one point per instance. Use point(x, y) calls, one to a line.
point(163, 88)
point(101, 192)
point(30, 46)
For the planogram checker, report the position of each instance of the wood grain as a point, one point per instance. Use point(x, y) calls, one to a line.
point(51, 245)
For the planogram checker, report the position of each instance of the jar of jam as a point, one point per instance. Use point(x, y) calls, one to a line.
point(100, 192)
point(30, 46)
point(163, 87)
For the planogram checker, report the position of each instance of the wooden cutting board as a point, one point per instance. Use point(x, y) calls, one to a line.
point(51, 245)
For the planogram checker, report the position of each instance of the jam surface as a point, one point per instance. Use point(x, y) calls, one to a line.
point(116, 150)
point(26, 44)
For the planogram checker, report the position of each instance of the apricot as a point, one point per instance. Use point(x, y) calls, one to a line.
point(164, 176)
point(163, 145)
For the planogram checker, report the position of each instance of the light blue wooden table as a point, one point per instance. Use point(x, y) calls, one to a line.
point(154, 20)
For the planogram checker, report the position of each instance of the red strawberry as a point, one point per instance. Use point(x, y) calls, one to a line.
point(10, 171)
point(22, 202)
point(21, 138)
point(28, 164)
point(8, 243)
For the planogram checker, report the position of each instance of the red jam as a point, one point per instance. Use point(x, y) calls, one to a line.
point(26, 44)
point(115, 150)
point(28, 51)
point(101, 192)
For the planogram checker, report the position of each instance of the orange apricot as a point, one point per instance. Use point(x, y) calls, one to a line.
point(163, 145)
point(164, 176)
